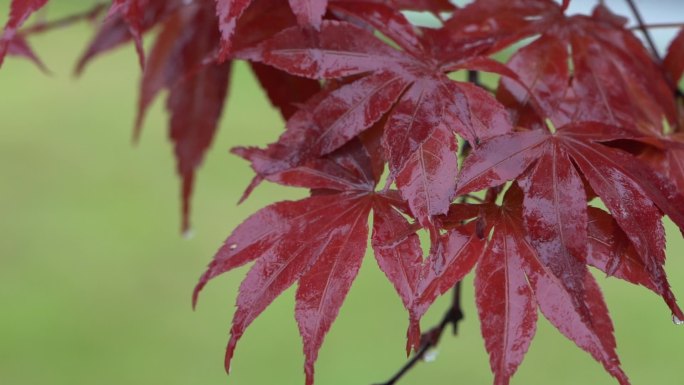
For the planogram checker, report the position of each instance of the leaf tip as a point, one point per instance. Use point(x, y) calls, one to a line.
point(195, 295)
point(230, 349)
point(565, 5)
point(413, 336)
point(309, 372)
point(256, 181)
point(186, 194)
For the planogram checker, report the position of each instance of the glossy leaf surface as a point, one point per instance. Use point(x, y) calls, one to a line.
point(505, 302)
point(504, 179)
point(20, 10)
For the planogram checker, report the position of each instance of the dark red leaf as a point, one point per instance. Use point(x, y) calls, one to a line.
point(668, 159)
point(353, 108)
point(602, 53)
point(430, 101)
point(368, 95)
point(505, 303)
point(580, 315)
point(622, 191)
point(18, 46)
point(284, 91)
point(487, 26)
point(455, 256)
point(499, 160)
point(323, 288)
point(538, 67)
point(228, 12)
point(399, 255)
point(340, 49)
point(133, 12)
point(427, 180)
point(314, 229)
point(555, 217)
point(383, 18)
point(309, 12)
point(611, 251)
point(20, 10)
point(351, 168)
point(642, 107)
point(197, 90)
point(674, 60)
point(116, 30)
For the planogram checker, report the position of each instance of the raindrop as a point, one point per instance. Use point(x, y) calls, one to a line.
point(188, 234)
point(233, 246)
point(431, 355)
point(676, 320)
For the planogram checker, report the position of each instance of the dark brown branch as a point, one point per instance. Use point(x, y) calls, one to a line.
point(455, 313)
point(431, 338)
point(474, 78)
point(658, 25)
point(642, 27)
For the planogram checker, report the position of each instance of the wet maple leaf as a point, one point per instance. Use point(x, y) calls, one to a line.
point(674, 60)
point(318, 242)
point(20, 10)
point(584, 117)
point(181, 61)
point(423, 109)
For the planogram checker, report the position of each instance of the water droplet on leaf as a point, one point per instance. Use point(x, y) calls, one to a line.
point(676, 320)
point(233, 246)
point(431, 355)
point(188, 234)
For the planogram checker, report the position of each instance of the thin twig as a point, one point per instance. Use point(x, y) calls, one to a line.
point(65, 21)
point(657, 25)
point(431, 338)
point(456, 312)
point(642, 27)
point(475, 198)
point(474, 77)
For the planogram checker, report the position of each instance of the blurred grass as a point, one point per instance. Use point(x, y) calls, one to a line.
point(95, 280)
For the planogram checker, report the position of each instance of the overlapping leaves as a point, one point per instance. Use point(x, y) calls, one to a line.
point(583, 134)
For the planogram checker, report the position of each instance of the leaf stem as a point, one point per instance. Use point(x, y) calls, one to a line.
point(474, 77)
point(44, 26)
point(642, 27)
point(431, 338)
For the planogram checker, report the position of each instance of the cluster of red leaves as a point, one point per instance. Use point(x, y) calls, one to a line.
point(584, 117)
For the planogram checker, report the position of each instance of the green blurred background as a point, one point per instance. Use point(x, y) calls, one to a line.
point(95, 280)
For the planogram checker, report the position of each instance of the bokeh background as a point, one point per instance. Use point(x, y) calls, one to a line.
point(95, 279)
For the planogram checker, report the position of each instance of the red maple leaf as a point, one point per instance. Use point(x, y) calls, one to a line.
point(582, 136)
point(20, 10)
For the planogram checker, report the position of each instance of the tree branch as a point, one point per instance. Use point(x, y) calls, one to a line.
point(657, 25)
point(642, 27)
point(44, 26)
point(431, 338)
